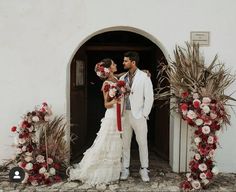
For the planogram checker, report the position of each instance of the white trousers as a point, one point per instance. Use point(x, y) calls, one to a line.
point(139, 126)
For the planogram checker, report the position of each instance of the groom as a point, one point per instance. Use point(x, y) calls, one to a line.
point(137, 108)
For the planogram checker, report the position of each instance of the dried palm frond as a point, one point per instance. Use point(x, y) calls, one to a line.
point(189, 73)
point(52, 137)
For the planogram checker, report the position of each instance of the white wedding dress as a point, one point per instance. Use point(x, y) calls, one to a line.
point(101, 163)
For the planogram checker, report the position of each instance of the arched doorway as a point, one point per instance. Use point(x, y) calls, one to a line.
point(86, 101)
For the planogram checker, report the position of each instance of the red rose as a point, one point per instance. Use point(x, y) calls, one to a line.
point(185, 94)
point(184, 107)
point(57, 178)
point(121, 83)
point(106, 87)
point(56, 165)
point(196, 103)
point(186, 185)
point(13, 129)
point(209, 174)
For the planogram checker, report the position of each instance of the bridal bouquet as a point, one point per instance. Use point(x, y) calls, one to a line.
point(117, 91)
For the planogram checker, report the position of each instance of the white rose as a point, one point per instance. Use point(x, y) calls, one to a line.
point(31, 129)
point(206, 129)
point(24, 148)
point(29, 166)
point(28, 159)
point(188, 176)
point(205, 181)
point(22, 141)
point(34, 183)
point(215, 170)
point(18, 151)
point(46, 175)
point(28, 154)
point(196, 184)
point(52, 171)
point(191, 114)
point(195, 95)
point(206, 109)
point(99, 73)
point(197, 156)
point(106, 70)
point(40, 159)
point(35, 118)
point(49, 161)
point(42, 170)
point(202, 167)
point(212, 153)
point(210, 140)
point(112, 92)
point(203, 176)
point(213, 115)
point(206, 100)
point(46, 118)
point(197, 140)
point(217, 133)
point(199, 122)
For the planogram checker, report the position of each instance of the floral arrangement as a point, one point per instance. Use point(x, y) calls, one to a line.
point(116, 91)
point(40, 166)
point(199, 94)
point(102, 71)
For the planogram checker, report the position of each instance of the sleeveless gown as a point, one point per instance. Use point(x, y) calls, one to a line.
point(101, 163)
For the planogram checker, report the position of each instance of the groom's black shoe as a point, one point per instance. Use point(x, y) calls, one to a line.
point(124, 174)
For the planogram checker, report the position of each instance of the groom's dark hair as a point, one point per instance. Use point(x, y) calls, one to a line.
point(133, 56)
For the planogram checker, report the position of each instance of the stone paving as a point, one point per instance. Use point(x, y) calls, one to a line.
point(162, 179)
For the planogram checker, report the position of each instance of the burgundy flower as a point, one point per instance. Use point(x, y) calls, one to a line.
point(185, 94)
point(106, 87)
point(13, 129)
point(186, 185)
point(121, 83)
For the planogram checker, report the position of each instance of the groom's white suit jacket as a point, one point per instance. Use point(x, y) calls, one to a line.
point(141, 95)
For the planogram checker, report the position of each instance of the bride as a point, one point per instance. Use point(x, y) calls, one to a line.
point(101, 163)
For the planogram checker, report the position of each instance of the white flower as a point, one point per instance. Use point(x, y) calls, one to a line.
point(28, 158)
point(52, 171)
point(112, 92)
point(206, 109)
point(49, 161)
point(196, 184)
point(197, 140)
point(197, 156)
point(18, 151)
point(212, 153)
point(40, 159)
point(35, 118)
point(206, 100)
point(191, 114)
point(215, 170)
point(28, 154)
point(25, 178)
point(23, 148)
point(203, 176)
point(46, 175)
point(210, 140)
point(208, 122)
point(29, 166)
point(188, 176)
point(206, 129)
point(106, 70)
point(21, 141)
point(205, 181)
point(34, 183)
point(213, 115)
point(202, 167)
point(195, 95)
point(42, 170)
point(46, 118)
point(199, 122)
point(31, 129)
point(217, 133)
point(99, 73)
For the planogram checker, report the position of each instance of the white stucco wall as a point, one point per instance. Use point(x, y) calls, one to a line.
point(38, 39)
